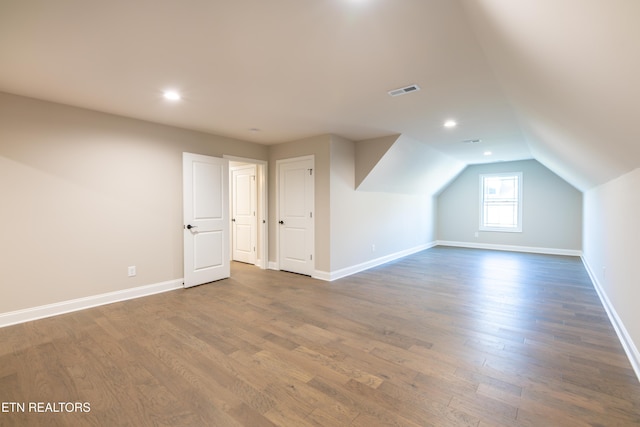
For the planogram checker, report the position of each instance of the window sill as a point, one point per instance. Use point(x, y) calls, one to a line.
point(501, 230)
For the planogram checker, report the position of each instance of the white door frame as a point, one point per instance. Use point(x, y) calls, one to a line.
point(277, 187)
point(263, 209)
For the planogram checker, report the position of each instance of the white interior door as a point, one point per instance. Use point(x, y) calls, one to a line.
point(244, 223)
point(295, 210)
point(206, 222)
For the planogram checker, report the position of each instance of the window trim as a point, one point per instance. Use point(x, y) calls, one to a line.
point(482, 227)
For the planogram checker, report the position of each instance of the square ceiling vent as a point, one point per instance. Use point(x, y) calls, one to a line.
point(404, 90)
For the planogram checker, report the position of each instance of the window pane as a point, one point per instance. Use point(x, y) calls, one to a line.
point(500, 215)
point(491, 188)
point(501, 188)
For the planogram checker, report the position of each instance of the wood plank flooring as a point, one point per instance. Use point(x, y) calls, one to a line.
point(445, 337)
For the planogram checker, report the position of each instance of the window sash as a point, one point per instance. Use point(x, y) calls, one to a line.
point(500, 202)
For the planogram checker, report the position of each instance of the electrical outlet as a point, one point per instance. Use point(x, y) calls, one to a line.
point(131, 271)
point(373, 248)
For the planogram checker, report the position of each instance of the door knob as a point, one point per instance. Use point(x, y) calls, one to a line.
point(189, 227)
point(281, 222)
point(233, 220)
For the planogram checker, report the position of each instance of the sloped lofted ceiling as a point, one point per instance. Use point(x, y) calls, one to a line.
point(550, 79)
point(570, 69)
point(400, 164)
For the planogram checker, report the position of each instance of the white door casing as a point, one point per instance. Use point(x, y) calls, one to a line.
point(295, 215)
point(206, 222)
point(244, 222)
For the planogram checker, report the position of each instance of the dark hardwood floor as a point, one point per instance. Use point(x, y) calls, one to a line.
point(445, 337)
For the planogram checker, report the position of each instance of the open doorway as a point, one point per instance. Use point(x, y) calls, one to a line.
point(248, 211)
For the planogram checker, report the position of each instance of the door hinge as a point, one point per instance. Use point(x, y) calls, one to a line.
point(254, 177)
point(310, 171)
point(311, 257)
point(310, 214)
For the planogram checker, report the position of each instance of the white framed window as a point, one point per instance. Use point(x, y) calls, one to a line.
point(501, 202)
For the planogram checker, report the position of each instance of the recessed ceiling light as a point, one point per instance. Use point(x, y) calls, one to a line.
point(450, 124)
point(487, 153)
point(171, 95)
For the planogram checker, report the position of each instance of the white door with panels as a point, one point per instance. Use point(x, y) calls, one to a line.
point(295, 210)
point(206, 219)
point(244, 222)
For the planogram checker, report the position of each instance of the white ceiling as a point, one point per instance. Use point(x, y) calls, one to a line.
point(528, 77)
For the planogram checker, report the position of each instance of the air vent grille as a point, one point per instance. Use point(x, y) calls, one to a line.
point(404, 90)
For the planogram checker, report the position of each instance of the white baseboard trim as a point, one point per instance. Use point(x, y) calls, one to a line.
point(625, 339)
point(328, 276)
point(511, 248)
point(348, 271)
point(322, 275)
point(40, 312)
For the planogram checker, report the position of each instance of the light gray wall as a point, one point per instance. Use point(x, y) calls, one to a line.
point(611, 237)
point(390, 221)
point(551, 217)
point(86, 194)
